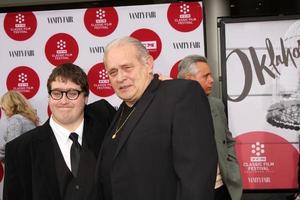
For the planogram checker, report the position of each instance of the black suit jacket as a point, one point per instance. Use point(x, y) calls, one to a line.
point(30, 172)
point(166, 149)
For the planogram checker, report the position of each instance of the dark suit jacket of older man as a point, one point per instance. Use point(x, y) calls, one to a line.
point(166, 149)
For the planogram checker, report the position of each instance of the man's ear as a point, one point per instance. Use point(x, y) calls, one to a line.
point(188, 76)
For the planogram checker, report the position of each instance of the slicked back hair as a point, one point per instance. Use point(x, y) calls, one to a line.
point(142, 52)
point(187, 65)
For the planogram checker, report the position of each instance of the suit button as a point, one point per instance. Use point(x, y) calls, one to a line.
point(224, 142)
point(77, 187)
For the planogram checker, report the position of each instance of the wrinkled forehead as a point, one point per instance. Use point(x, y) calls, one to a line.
point(121, 55)
point(121, 49)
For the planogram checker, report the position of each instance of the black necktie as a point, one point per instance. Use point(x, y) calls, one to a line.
point(75, 153)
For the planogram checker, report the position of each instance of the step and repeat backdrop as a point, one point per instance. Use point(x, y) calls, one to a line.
point(33, 43)
point(261, 69)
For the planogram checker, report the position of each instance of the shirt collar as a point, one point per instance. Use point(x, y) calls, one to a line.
point(63, 133)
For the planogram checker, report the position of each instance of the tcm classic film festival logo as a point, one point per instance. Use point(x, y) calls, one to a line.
point(99, 82)
point(20, 26)
point(185, 16)
point(258, 164)
point(61, 48)
point(266, 160)
point(23, 79)
point(101, 21)
point(150, 40)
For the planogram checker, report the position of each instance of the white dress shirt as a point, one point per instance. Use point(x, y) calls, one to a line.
point(64, 142)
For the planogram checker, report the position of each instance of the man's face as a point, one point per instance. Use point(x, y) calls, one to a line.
point(68, 113)
point(203, 76)
point(128, 76)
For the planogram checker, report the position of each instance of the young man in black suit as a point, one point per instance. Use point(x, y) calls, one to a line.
point(160, 145)
point(47, 163)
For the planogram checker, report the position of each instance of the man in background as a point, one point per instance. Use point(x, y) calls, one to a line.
point(160, 144)
point(228, 182)
point(57, 161)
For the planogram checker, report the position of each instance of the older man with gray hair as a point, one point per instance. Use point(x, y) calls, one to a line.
point(160, 145)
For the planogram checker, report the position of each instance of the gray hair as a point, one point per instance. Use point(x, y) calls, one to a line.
point(187, 65)
point(142, 52)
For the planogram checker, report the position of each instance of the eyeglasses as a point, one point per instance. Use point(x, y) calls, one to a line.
point(70, 94)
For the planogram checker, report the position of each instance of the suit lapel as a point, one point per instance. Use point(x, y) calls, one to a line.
point(44, 160)
point(141, 108)
point(87, 137)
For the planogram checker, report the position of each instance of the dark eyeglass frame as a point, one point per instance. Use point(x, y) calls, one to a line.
point(65, 92)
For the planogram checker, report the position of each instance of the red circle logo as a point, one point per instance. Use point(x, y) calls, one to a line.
point(61, 48)
point(267, 161)
point(23, 79)
point(185, 16)
point(150, 40)
point(99, 82)
point(101, 21)
point(20, 26)
point(174, 70)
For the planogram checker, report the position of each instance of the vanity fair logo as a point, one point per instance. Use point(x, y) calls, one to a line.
point(60, 20)
point(20, 26)
point(185, 16)
point(150, 40)
point(101, 21)
point(142, 15)
point(187, 45)
point(21, 53)
point(99, 82)
point(96, 49)
point(23, 79)
point(61, 48)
